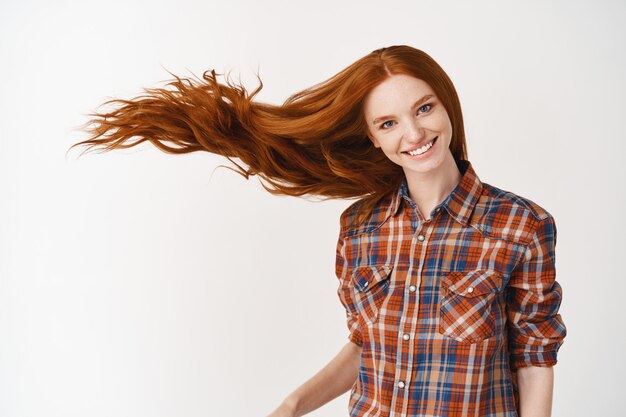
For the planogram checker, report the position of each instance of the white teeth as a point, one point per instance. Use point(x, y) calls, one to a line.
point(421, 150)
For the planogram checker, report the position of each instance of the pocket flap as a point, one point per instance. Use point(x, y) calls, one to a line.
point(472, 283)
point(367, 276)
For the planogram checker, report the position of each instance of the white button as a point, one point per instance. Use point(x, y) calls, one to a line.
point(412, 288)
point(366, 284)
point(470, 289)
point(401, 384)
point(406, 336)
point(420, 237)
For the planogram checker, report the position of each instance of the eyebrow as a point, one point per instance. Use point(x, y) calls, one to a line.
point(417, 103)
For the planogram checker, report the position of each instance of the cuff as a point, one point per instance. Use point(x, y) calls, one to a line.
point(545, 358)
point(355, 337)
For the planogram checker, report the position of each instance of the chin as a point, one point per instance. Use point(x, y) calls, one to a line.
point(425, 166)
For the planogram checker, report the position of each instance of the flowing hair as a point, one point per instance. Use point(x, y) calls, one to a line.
point(315, 143)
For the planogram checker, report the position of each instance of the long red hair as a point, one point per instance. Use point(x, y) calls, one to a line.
point(315, 143)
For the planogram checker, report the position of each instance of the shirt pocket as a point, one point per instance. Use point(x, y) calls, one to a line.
point(466, 304)
point(371, 285)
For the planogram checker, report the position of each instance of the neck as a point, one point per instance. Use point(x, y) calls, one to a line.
point(429, 189)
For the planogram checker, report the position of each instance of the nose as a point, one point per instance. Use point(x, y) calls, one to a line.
point(413, 131)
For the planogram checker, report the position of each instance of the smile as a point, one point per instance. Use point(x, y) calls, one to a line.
point(423, 149)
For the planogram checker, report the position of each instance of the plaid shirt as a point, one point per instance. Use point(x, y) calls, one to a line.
point(447, 309)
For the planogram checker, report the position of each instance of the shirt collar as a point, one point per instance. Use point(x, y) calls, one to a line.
point(459, 203)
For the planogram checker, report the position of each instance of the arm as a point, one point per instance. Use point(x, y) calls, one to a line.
point(341, 372)
point(330, 382)
point(536, 330)
point(535, 390)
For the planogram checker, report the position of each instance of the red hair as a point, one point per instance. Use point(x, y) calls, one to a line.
point(314, 143)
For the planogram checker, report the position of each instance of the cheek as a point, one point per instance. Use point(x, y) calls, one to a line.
point(391, 147)
point(442, 121)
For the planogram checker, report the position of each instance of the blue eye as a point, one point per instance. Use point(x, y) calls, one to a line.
point(426, 105)
point(386, 126)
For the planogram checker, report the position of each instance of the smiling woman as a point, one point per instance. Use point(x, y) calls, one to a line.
point(411, 132)
point(448, 283)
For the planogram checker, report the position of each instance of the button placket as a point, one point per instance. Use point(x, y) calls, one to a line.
point(406, 336)
point(421, 235)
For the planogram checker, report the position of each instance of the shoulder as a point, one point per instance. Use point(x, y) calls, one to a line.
point(507, 215)
point(375, 216)
point(514, 201)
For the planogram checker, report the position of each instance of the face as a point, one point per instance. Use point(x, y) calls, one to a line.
point(403, 115)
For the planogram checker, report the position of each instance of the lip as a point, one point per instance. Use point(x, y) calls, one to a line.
point(420, 145)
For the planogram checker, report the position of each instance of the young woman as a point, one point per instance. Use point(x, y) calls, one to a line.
point(448, 283)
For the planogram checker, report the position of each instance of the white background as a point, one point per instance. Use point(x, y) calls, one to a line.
point(138, 283)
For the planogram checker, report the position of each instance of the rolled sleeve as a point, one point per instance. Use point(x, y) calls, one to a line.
point(535, 329)
point(346, 294)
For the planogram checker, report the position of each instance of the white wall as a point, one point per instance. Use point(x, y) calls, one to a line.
point(137, 283)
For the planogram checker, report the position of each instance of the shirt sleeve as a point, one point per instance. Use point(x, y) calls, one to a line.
point(346, 294)
point(535, 329)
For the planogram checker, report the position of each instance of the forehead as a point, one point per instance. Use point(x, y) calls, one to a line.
point(395, 93)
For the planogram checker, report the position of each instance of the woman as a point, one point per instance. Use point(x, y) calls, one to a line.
point(448, 283)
